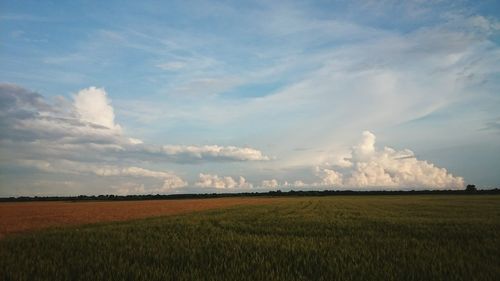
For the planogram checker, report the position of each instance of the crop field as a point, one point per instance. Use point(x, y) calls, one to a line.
point(27, 216)
point(435, 237)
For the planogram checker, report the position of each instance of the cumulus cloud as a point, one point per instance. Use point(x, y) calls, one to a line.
point(92, 105)
point(329, 177)
point(387, 168)
point(29, 117)
point(80, 137)
point(215, 181)
point(369, 167)
point(173, 182)
point(87, 125)
point(133, 188)
point(270, 183)
point(273, 183)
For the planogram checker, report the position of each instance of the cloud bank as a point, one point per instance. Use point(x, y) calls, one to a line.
point(426, 73)
point(368, 167)
point(392, 168)
point(169, 179)
point(270, 183)
point(81, 137)
point(214, 181)
point(87, 124)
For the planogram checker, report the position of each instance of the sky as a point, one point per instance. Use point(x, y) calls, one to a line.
point(165, 97)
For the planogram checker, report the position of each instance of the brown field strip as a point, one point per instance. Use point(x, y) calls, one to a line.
point(18, 217)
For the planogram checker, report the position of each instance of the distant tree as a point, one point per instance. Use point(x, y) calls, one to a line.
point(471, 188)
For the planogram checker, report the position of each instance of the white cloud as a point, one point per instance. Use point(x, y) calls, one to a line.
point(387, 168)
point(86, 128)
point(169, 179)
point(92, 105)
point(173, 182)
point(311, 98)
point(135, 141)
point(67, 166)
point(127, 171)
point(366, 146)
point(275, 184)
point(130, 188)
point(208, 180)
point(329, 177)
point(298, 183)
point(449, 63)
point(269, 183)
point(214, 152)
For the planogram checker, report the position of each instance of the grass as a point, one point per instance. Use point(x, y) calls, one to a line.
point(311, 238)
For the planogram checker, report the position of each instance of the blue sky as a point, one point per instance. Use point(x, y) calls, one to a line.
point(202, 96)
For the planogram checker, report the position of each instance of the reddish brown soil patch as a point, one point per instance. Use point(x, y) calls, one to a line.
point(27, 216)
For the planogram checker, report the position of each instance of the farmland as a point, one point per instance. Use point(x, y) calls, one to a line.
point(20, 217)
point(425, 237)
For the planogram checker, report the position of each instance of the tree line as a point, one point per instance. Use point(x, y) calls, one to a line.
point(471, 189)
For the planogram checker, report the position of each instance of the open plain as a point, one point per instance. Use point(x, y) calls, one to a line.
point(416, 237)
point(18, 217)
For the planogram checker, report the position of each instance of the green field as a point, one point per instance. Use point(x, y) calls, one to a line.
point(440, 237)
